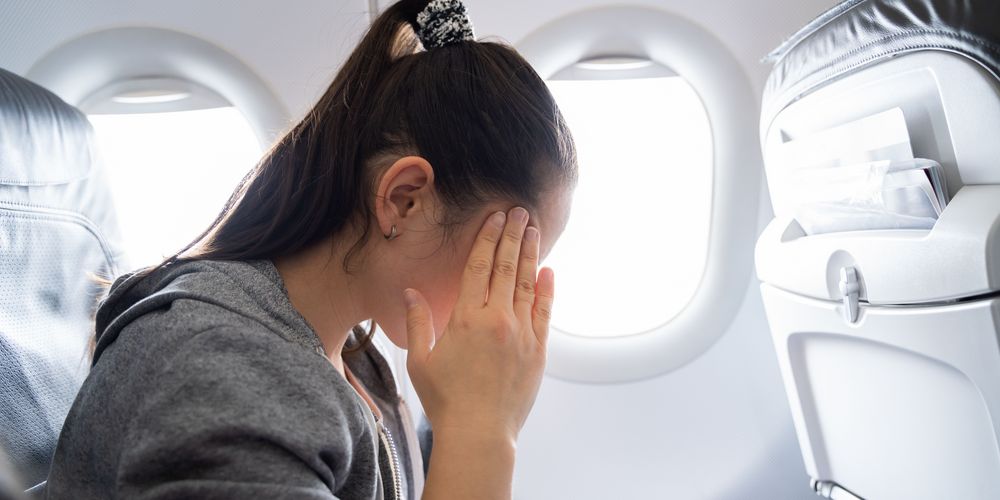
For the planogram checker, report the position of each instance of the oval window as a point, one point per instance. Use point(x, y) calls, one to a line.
point(174, 152)
point(653, 264)
point(634, 250)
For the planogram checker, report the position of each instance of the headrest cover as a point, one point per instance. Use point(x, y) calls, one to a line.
point(858, 33)
point(43, 140)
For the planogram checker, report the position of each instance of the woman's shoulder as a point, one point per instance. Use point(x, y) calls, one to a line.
point(230, 366)
point(188, 300)
point(222, 337)
point(230, 408)
point(196, 383)
point(208, 324)
point(254, 373)
point(215, 348)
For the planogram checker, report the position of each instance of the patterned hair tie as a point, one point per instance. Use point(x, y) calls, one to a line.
point(444, 22)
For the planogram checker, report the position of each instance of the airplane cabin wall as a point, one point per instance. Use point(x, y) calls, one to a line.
point(717, 428)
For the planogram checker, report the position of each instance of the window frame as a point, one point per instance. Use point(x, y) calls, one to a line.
point(87, 65)
point(725, 90)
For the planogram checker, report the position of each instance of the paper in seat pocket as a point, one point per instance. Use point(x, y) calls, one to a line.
point(886, 194)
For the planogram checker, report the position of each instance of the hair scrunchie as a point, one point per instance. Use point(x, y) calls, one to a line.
point(444, 22)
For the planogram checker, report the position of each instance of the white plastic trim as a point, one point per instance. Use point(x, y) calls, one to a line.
point(172, 94)
point(85, 65)
point(725, 90)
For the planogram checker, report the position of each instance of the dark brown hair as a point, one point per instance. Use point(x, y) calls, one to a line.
point(477, 112)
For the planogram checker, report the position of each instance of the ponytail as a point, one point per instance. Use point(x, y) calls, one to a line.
point(417, 83)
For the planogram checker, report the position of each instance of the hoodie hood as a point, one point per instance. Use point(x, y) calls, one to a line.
point(208, 362)
point(232, 285)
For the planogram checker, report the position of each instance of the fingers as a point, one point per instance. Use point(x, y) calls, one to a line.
point(527, 270)
point(542, 312)
point(505, 263)
point(419, 328)
point(479, 266)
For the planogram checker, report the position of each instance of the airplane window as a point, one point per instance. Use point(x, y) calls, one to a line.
point(173, 158)
point(652, 266)
point(634, 250)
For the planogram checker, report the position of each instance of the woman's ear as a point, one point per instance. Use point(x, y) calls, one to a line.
point(405, 189)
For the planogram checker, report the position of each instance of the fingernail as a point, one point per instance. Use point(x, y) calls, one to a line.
point(531, 234)
point(498, 219)
point(410, 297)
point(519, 214)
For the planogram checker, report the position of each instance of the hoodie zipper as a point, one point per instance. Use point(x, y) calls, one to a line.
point(384, 436)
point(394, 468)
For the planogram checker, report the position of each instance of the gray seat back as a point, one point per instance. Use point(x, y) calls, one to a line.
point(57, 232)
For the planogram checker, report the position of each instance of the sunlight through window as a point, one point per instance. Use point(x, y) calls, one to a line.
point(171, 173)
point(635, 247)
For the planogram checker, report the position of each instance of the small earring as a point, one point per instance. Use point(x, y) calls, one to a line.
point(392, 234)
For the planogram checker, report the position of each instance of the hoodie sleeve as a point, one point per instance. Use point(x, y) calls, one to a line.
point(244, 414)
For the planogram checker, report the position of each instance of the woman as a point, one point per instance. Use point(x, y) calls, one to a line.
point(235, 369)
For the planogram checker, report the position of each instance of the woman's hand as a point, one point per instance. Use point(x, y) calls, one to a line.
point(480, 377)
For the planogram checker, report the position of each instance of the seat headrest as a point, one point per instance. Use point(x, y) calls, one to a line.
point(858, 33)
point(44, 138)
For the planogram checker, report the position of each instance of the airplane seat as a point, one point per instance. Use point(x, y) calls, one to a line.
point(57, 233)
point(881, 268)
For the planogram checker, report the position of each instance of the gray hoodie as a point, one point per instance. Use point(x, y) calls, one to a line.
point(207, 383)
